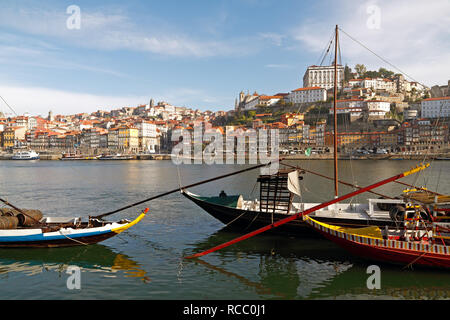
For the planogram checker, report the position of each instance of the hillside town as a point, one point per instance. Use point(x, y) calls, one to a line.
point(377, 110)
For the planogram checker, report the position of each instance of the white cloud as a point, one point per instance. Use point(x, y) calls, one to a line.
point(275, 38)
point(413, 35)
point(36, 100)
point(114, 31)
point(277, 66)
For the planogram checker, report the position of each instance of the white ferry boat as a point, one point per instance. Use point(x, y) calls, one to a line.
point(25, 155)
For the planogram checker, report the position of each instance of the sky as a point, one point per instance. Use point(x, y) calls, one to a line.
point(83, 56)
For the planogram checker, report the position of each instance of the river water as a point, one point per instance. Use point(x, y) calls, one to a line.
point(145, 262)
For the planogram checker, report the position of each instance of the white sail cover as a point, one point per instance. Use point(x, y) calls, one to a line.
point(293, 183)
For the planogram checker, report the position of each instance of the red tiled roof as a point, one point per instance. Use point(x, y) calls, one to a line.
point(439, 98)
point(308, 88)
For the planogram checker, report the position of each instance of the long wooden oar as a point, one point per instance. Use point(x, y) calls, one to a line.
point(180, 188)
point(306, 212)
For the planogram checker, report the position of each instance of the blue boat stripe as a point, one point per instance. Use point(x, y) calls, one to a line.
point(42, 237)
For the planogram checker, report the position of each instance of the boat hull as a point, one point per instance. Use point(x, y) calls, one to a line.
point(20, 158)
point(63, 237)
point(240, 219)
point(390, 255)
point(386, 251)
point(60, 242)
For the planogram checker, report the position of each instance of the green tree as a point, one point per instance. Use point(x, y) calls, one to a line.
point(384, 73)
point(347, 73)
point(360, 70)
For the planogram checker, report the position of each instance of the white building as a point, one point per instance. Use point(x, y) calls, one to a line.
point(113, 138)
point(308, 94)
point(323, 76)
point(378, 108)
point(148, 140)
point(269, 100)
point(373, 83)
point(436, 107)
point(354, 107)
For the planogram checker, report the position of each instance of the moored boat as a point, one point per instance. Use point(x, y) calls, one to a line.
point(117, 156)
point(276, 203)
point(408, 246)
point(74, 156)
point(25, 155)
point(31, 231)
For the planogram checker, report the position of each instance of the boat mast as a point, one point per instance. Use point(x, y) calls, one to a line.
point(335, 116)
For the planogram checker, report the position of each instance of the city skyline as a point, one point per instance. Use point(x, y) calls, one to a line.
point(200, 55)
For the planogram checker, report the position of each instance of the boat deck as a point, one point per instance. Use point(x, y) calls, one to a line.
point(340, 210)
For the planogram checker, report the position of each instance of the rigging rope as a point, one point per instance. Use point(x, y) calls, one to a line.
point(8, 105)
point(429, 147)
point(361, 44)
point(325, 51)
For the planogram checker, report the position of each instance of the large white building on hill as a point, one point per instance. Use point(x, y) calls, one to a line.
point(323, 76)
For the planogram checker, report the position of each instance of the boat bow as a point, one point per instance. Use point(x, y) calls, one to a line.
point(130, 224)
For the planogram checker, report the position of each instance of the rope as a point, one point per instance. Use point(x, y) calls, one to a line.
point(324, 54)
point(235, 218)
point(8, 105)
point(72, 238)
point(381, 57)
point(429, 148)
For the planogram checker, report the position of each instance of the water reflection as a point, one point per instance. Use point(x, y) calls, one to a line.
point(93, 258)
point(286, 268)
point(276, 267)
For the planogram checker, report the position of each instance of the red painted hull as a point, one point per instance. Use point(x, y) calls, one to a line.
point(391, 255)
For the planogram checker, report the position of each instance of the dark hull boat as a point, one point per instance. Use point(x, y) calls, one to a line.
point(226, 211)
point(276, 203)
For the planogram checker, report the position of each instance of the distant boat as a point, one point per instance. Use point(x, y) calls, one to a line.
point(116, 156)
point(73, 156)
point(25, 155)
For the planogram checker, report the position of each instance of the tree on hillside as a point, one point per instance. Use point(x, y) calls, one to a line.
point(371, 74)
point(384, 73)
point(360, 70)
point(347, 73)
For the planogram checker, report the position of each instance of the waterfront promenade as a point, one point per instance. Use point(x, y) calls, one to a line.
point(299, 156)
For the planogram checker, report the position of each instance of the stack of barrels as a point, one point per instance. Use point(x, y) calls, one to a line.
point(11, 218)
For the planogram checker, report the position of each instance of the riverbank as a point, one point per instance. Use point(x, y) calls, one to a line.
point(44, 156)
point(327, 156)
point(300, 156)
point(399, 156)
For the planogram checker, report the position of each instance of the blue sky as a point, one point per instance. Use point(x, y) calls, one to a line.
point(200, 54)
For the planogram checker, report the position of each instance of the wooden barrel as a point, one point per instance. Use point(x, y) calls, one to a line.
point(31, 218)
point(7, 212)
point(8, 222)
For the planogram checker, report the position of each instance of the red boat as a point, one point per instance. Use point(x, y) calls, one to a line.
point(399, 246)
